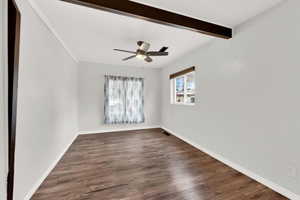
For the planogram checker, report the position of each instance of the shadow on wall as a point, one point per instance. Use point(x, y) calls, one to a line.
point(3, 107)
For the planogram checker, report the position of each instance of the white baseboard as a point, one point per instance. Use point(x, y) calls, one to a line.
point(285, 192)
point(47, 172)
point(51, 167)
point(117, 129)
point(233, 165)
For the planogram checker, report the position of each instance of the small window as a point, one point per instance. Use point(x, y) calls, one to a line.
point(183, 87)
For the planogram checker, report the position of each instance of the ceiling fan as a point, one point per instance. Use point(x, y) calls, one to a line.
point(143, 53)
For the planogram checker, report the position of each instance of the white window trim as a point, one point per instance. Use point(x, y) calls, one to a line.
point(173, 91)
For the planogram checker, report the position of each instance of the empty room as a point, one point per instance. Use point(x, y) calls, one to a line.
point(150, 100)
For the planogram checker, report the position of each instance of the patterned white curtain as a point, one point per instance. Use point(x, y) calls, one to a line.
point(124, 100)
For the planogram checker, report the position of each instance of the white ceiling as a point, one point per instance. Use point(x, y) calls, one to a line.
point(224, 12)
point(91, 35)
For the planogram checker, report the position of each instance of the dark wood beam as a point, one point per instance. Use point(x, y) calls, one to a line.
point(14, 20)
point(180, 73)
point(141, 11)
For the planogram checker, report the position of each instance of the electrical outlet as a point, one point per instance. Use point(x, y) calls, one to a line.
point(293, 172)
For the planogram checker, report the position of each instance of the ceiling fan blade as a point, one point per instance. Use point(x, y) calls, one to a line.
point(148, 59)
point(125, 51)
point(157, 53)
point(163, 49)
point(130, 57)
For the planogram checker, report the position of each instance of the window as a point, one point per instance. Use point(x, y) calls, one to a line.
point(124, 100)
point(183, 87)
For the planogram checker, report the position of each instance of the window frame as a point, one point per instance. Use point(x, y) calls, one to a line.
point(185, 93)
point(121, 99)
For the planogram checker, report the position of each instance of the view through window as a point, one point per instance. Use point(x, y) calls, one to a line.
point(183, 89)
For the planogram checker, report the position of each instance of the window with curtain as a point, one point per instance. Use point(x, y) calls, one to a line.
point(124, 100)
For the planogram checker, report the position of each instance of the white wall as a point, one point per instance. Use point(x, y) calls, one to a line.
point(247, 108)
point(247, 99)
point(91, 95)
point(47, 103)
point(3, 99)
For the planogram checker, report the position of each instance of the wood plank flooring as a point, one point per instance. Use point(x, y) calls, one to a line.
point(145, 165)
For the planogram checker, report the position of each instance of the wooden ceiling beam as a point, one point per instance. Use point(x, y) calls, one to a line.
point(145, 12)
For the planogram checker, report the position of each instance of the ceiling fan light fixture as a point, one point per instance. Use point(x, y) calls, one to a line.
point(142, 52)
point(141, 56)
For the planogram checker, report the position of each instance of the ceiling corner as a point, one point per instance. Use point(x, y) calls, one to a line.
point(47, 22)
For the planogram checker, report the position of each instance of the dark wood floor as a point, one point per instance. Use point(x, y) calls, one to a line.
point(145, 165)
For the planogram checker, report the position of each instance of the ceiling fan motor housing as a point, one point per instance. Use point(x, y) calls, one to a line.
point(145, 46)
point(141, 52)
